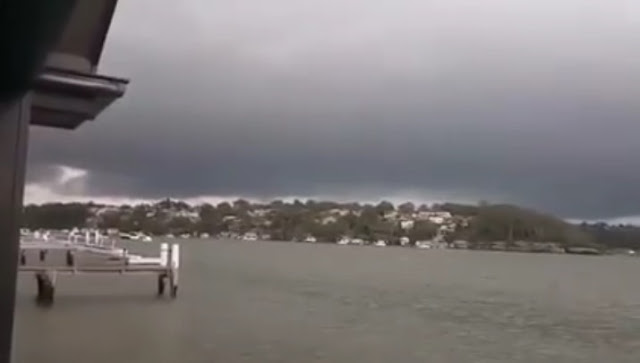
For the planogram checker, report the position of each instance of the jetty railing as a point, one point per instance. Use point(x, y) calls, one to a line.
point(92, 253)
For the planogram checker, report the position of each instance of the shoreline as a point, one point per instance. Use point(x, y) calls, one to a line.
point(579, 251)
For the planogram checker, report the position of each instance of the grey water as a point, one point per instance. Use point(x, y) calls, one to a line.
point(288, 302)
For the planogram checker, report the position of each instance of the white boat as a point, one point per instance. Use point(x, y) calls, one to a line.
point(380, 243)
point(344, 241)
point(310, 239)
point(250, 236)
point(138, 237)
point(357, 241)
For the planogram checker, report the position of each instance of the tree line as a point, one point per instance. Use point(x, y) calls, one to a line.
point(296, 220)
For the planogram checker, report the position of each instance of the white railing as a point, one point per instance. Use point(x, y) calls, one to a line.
point(93, 241)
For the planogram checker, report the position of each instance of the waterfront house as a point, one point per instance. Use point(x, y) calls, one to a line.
point(344, 241)
point(250, 236)
point(407, 224)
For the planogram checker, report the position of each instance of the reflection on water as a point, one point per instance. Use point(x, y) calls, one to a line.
point(279, 302)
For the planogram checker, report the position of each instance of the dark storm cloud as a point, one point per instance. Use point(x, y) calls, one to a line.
point(519, 101)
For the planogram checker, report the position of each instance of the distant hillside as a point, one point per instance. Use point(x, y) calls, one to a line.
point(479, 225)
point(613, 236)
point(511, 223)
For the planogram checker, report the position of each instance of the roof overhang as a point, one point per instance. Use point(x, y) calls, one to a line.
point(66, 99)
point(69, 91)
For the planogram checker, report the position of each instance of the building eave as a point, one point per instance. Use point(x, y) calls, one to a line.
point(65, 99)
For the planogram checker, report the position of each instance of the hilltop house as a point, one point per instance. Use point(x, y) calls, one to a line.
point(407, 223)
point(328, 219)
point(437, 217)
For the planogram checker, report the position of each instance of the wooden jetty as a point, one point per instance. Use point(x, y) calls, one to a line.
point(48, 256)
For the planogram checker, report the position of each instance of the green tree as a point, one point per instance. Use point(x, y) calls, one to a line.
point(276, 205)
point(109, 219)
point(224, 209)
point(407, 208)
point(422, 231)
point(56, 215)
point(384, 207)
point(241, 205)
point(180, 225)
point(210, 221)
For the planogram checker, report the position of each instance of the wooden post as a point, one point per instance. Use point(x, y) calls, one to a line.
point(164, 262)
point(43, 255)
point(125, 260)
point(46, 287)
point(168, 267)
point(174, 261)
point(161, 283)
point(71, 260)
point(164, 254)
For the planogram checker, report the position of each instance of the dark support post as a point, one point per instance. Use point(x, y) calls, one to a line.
point(161, 283)
point(14, 122)
point(125, 260)
point(46, 288)
point(174, 289)
point(70, 259)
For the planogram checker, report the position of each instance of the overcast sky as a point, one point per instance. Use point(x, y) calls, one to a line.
point(529, 102)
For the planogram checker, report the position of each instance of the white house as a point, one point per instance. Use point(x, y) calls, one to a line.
point(407, 224)
point(259, 213)
point(391, 215)
point(427, 215)
point(229, 218)
point(436, 219)
point(339, 212)
point(192, 215)
point(329, 219)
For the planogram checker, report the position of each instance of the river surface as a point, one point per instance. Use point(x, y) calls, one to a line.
point(286, 302)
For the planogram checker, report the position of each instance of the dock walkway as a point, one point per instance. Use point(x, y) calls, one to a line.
point(48, 255)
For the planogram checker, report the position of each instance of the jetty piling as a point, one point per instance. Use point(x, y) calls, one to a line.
point(46, 287)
